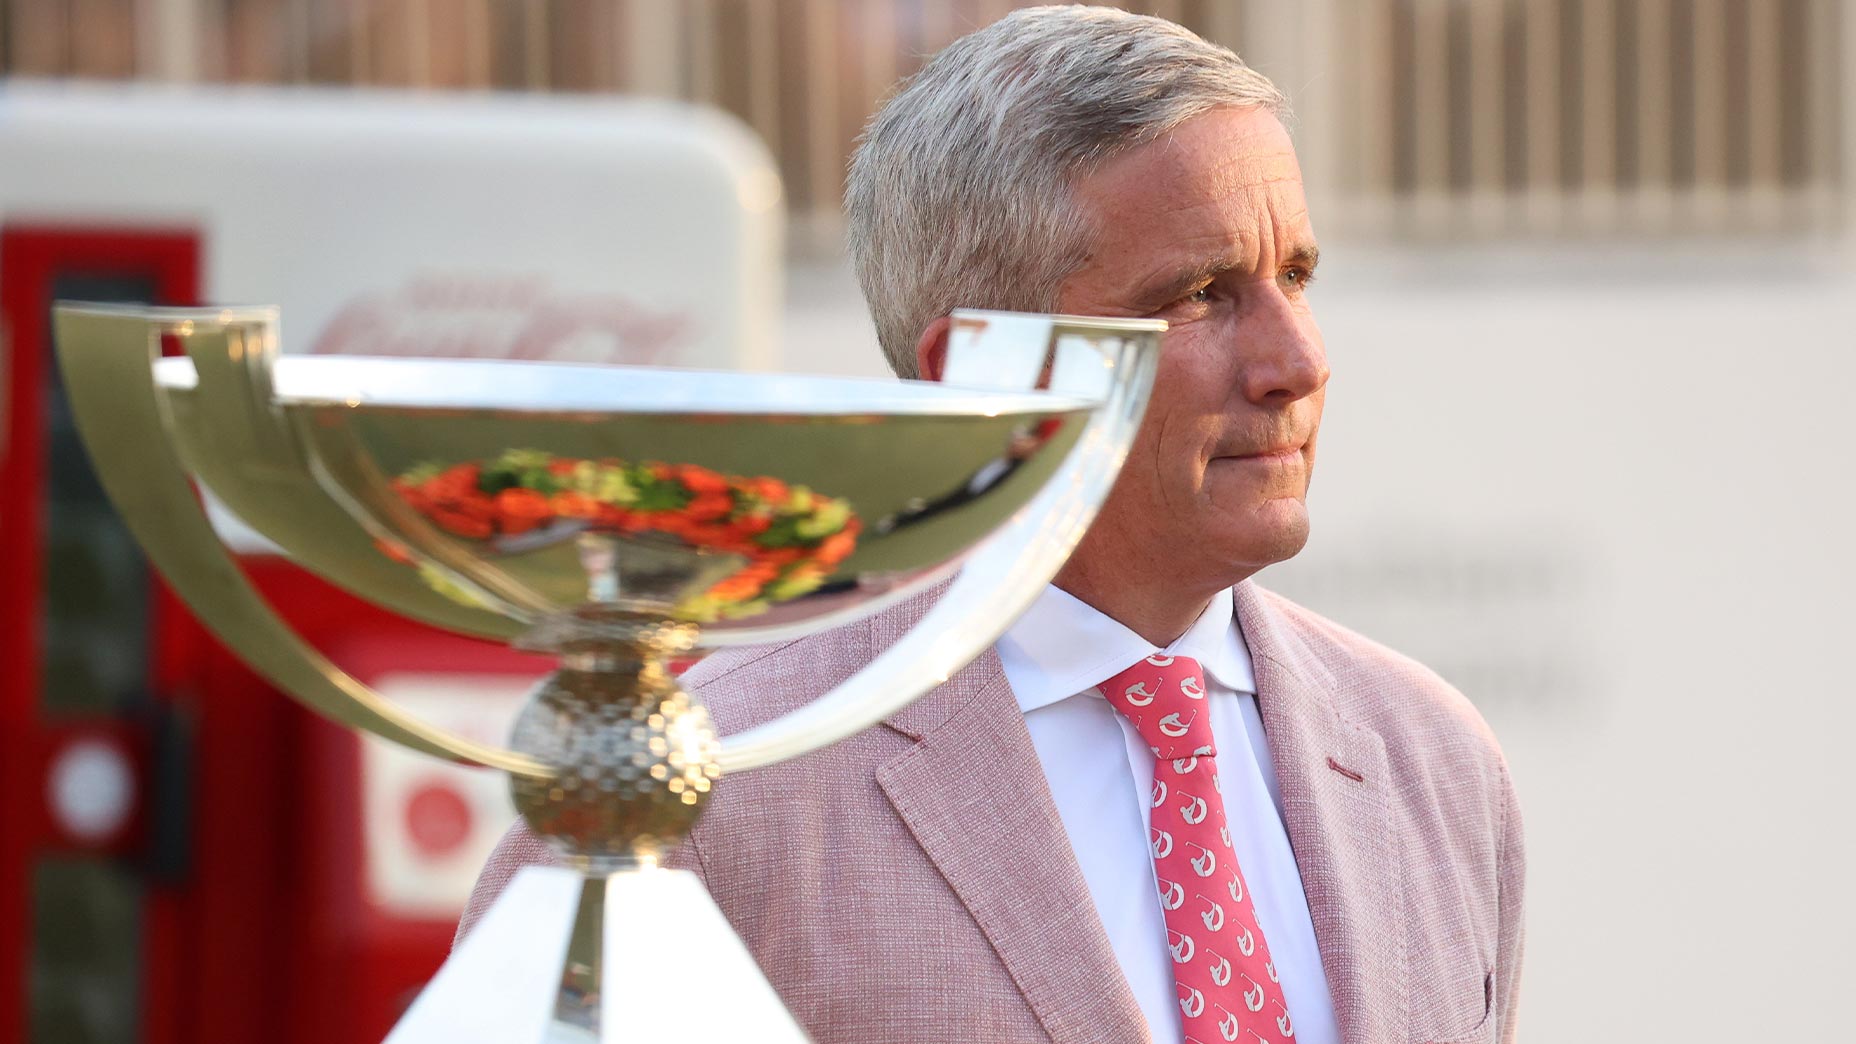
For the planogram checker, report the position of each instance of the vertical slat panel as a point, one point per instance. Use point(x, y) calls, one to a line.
point(700, 36)
point(1374, 103)
point(731, 70)
point(824, 152)
point(880, 45)
point(360, 41)
point(1655, 106)
point(1272, 39)
point(1542, 29)
point(386, 43)
point(1764, 116)
point(652, 34)
point(866, 46)
point(1514, 101)
point(300, 39)
point(536, 73)
point(938, 21)
point(1457, 138)
point(1598, 122)
point(1626, 34)
point(44, 39)
point(970, 15)
point(1832, 33)
point(1171, 10)
point(763, 71)
point(611, 56)
point(576, 62)
point(1707, 73)
point(447, 45)
point(479, 44)
point(1486, 131)
point(605, 50)
point(253, 41)
point(373, 38)
point(1430, 57)
point(1401, 88)
point(167, 39)
point(1318, 140)
point(1225, 20)
point(103, 39)
point(1736, 97)
point(420, 64)
point(792, 75)
point(407, 50)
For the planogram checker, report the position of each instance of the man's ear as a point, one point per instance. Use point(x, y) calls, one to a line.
point(931, 350)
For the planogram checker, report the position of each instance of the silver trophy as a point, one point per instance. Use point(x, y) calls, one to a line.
point(613, 517)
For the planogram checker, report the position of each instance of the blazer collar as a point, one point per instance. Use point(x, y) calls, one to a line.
point(1337, 807)
point(973, 793)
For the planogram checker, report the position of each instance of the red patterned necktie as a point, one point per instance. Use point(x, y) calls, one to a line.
point(1226, 982)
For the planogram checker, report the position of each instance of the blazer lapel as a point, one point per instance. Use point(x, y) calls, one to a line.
point(1336, 788)
point(974, 795)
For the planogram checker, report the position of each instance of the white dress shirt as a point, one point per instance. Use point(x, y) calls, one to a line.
point(1100, 772)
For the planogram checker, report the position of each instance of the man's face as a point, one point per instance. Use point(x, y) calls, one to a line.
point(1208, 229)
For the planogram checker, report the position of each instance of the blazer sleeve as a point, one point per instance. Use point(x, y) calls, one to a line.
point(1510, 928)
point(517, 849)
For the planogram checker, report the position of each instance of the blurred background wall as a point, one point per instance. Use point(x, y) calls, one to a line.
point(1589, 291)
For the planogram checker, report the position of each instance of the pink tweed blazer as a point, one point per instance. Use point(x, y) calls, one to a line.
point(914, 885)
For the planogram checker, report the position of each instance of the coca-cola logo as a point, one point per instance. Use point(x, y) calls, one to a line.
point(499, 317)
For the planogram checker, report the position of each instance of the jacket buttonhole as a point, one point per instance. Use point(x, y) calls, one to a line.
point(1345, 771)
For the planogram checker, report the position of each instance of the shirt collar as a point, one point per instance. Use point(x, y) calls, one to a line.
point(1063, 646)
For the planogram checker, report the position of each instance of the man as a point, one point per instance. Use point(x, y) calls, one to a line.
point(1168, 805)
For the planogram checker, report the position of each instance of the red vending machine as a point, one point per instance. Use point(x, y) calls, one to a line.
point(94, 749)
point(185, 854)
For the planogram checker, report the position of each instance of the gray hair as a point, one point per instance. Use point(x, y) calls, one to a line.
point(959, 194)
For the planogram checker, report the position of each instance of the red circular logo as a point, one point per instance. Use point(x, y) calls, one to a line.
point(437, 819)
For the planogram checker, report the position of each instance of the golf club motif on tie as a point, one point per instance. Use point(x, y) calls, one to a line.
point(1226, 981)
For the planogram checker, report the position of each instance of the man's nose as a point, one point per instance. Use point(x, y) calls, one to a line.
point(1283, 356)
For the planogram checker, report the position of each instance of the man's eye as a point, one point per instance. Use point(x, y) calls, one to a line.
point(1201, 295)
point(1298, 277)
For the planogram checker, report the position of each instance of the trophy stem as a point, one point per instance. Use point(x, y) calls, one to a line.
point(577, 1003)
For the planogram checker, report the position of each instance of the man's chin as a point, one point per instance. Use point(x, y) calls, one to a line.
point(1276, 532)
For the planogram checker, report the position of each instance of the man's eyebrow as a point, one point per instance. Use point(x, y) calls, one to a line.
point(1191, 276)
point(1182, 281)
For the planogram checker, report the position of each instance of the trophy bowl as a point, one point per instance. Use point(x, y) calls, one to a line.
point(613, 517)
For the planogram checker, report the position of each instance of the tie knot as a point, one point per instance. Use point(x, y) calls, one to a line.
point(1164, 696)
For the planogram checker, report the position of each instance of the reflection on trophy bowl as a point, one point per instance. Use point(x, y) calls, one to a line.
point(554, 495)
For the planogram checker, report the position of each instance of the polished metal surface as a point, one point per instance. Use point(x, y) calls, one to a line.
point(613, 517)
point(705, 497)
point(495, 500)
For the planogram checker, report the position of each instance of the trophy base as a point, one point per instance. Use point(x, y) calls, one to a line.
point(640, 954)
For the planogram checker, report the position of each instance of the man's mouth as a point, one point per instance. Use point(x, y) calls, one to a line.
point(1282, 452)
